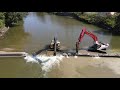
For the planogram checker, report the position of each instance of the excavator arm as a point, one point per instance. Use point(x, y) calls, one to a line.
point(88, 33)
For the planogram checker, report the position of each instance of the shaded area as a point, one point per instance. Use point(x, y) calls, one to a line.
point(15, 38)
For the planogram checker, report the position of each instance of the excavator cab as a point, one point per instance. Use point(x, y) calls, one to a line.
point(101, 47)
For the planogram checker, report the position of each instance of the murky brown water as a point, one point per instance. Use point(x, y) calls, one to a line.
point(38, 29)
point(87, 67)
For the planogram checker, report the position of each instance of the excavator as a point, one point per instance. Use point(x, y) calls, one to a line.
point(96, 47)
point(54, 46)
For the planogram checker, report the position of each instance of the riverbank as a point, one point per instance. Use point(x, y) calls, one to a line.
point(105, 22)
point(3, 31)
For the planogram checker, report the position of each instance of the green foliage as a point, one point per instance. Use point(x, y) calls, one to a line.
point(13, 18)
point(2, 19)
point(109, 21)
point(1, 23)
point(117, 21)
point(94, 18)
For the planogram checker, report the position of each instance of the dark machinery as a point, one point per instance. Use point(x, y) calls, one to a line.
point(55, 45)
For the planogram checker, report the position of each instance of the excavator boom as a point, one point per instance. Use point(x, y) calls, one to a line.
point(88, 33)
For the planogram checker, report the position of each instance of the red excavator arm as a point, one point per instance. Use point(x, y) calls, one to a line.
point(82, 35)
point(88, 33)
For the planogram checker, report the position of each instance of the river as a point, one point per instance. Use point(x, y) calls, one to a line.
point(37, 30)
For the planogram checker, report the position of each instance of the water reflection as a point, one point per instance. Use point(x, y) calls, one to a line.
point(37, 31)
point(44, 27)
point(14, 38)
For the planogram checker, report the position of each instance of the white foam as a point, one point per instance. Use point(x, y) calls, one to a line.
point(96, 57)
point(75, 56)
point(29, 58)
point(47, 61)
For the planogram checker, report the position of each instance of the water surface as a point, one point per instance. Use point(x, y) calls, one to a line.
point(37, 30)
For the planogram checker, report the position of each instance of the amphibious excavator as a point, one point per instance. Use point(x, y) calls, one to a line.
point(96, 47)
point(53, 46)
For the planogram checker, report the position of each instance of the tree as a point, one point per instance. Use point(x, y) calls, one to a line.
point(12, 18)
point(117, 24)
point(2, 19)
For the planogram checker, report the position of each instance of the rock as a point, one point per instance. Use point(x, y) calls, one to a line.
point(69, 54)
point(65, 54)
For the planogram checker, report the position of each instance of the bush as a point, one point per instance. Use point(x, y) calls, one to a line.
point(13, 18)
point(103, 21)
point(1, 23)
point(2, 19)
point(117, 24)
point(109, 21)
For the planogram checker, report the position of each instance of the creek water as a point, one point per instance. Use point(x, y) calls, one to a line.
point(37, 30)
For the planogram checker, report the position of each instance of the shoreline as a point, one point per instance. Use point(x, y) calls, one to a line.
point(3, 31)
point(75, 16)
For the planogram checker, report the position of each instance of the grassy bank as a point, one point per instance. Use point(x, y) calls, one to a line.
point(108, 22)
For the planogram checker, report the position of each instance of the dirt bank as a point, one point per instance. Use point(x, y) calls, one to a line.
point(3, 31)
